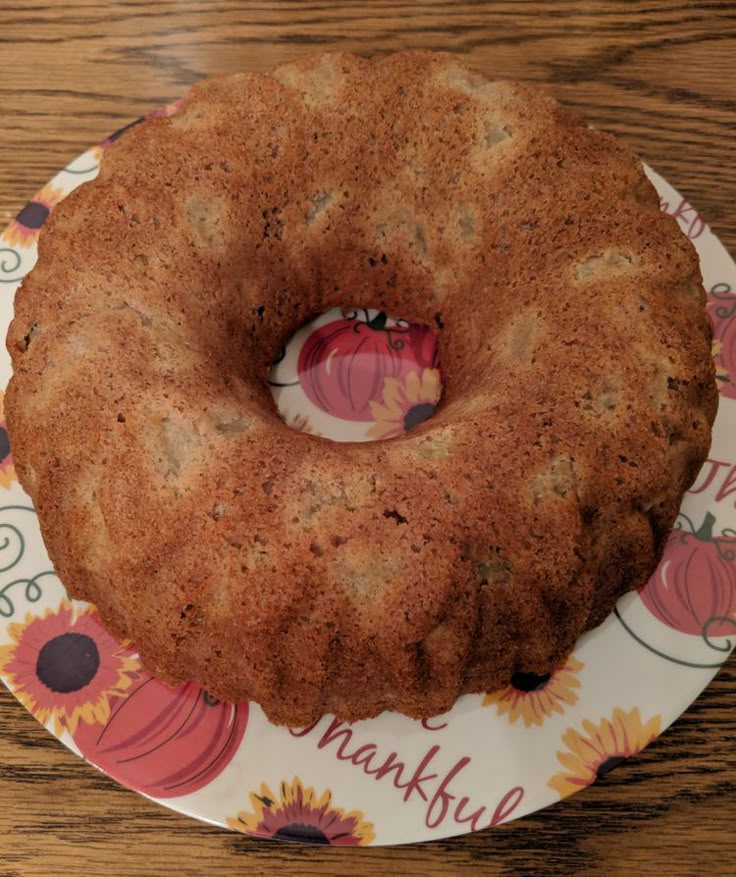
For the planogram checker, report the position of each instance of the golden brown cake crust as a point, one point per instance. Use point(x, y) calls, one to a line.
point(579, 390)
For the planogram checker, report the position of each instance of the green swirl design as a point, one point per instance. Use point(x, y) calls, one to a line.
point(33, 592)
point(12, 549)
point(718, 619)
point(6, 542)
point(671, 658)
point(87, 170)
point(8, 267)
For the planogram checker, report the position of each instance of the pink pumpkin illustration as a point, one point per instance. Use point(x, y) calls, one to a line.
point(722, 311)
point(342, 366)
point(165, 742)
point(694, 588)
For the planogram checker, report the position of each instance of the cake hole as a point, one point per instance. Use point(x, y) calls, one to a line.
point(34, 331)
point(397, 516)
point(356, 375)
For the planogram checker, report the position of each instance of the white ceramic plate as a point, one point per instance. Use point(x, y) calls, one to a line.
point(389, 780)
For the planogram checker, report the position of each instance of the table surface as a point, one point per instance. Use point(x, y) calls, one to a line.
point(662, 75)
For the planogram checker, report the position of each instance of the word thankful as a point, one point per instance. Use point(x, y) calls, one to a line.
point(435, 789)
point(716, 475)
point(688, 217)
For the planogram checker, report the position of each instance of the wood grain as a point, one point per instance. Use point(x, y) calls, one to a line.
point(661, 75)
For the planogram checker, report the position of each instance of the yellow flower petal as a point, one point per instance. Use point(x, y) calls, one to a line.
point(431, 386)
point(621, 735)
point(393, 396)
point(385, 430)
point(413, 385)
point(538, 704)
point(297, 806)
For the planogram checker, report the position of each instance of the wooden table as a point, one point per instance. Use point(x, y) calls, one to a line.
point(660, 74)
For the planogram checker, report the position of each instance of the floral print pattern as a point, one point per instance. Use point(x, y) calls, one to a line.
point(24, 230)
point(405, 404)
point(533, 698)
point(7, 468)
point(63, 666)
point(591, 753)
point(343, 364)
point(300, 815)
point(722, 310)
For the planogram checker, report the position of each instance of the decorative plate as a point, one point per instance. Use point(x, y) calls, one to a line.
point(493, 757)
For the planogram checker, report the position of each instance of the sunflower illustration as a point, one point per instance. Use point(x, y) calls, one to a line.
point(64, 665)
point(533, 698)
point(300, 815)
point(592, 754)
point(406, 403)
point(26, 227)
point(7, 469)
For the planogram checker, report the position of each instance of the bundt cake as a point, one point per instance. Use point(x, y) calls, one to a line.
point(312, 576)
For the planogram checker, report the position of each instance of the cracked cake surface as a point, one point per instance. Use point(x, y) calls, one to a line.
point(317, 577)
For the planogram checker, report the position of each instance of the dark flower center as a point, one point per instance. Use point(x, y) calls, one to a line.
point(68, 662)
point(608, 765)
point(33, 215)
point(4, 444)
point(418, 414)
point(527, 682)
point(301, 833)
